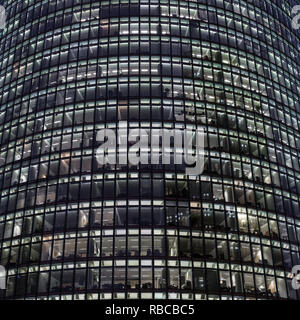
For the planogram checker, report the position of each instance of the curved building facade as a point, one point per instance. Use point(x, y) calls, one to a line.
point(71, 228)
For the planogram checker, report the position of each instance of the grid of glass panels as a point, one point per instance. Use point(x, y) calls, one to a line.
point(73, 229)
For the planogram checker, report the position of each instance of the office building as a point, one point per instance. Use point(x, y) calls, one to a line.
point(71, 228)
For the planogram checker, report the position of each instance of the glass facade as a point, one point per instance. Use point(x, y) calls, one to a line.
point(73, 229)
